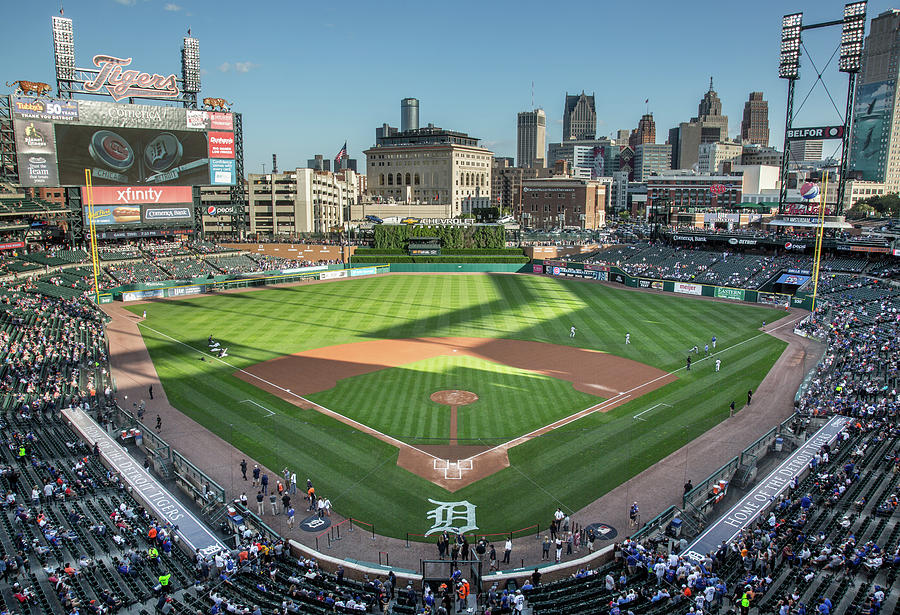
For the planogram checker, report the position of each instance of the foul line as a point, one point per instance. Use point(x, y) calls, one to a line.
point(359, 426)
point(638, 415)
point(250, 401)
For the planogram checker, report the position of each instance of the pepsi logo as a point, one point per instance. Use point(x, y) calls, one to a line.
point(211, 210)
point(809, 191)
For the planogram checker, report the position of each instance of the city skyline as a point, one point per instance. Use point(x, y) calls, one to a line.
point(334, 78)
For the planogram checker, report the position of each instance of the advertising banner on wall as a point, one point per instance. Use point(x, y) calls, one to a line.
point(363, 271)
point(730, 293)
point(137, 295)
point(567, 272)
point(537, 268)
point(333, 275)
point(688, 289)
point(183, 291)
point(304, 269)
point(654, 284)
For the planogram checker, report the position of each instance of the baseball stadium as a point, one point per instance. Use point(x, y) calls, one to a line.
point(688, 410)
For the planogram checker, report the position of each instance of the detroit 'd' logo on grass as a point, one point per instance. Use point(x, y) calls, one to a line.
point(447, 514)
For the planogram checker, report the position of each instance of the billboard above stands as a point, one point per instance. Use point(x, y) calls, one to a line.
point(221, 145)
point(221, 172)
point(792, 278)
point(162, 206)
point(166, 214)
point(142, 233)
point(56, 140)
point(27, 107)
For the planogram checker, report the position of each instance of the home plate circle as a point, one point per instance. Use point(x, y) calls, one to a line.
point(454, 397)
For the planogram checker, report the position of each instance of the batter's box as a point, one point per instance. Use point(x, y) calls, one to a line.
point(453, 470)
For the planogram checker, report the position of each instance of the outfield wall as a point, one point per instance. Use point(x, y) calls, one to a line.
point(460, 268)
point(604, 273)
point(209, 284)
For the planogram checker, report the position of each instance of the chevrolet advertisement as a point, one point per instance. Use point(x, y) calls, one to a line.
point(121, 144)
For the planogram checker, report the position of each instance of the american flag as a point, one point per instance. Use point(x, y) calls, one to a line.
point(341, 154)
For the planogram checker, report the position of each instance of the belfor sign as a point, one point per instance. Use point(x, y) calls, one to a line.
point(817, 132)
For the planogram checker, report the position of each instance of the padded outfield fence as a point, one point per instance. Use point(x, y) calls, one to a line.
point(605, 273)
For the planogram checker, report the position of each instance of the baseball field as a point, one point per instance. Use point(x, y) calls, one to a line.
point(389, 391)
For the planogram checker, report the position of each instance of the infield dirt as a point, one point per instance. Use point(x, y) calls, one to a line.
point(292, 377)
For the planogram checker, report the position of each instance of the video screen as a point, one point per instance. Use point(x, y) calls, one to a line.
point(131, 156)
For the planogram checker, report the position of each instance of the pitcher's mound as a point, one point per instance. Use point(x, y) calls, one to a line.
point(454, 397)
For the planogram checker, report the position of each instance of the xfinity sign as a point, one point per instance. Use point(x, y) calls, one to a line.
point(819, 132)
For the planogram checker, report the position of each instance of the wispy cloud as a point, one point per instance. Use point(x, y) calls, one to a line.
point(126, 2)
point(238, 67)
point(171, 6)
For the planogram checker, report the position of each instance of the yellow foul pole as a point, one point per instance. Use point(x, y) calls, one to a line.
point(820, 231)
point(92, 230)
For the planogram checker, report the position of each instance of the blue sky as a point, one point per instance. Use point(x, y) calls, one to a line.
point(308, 76)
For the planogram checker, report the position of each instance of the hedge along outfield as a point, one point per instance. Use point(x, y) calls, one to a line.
point(570, 467)
point(479, 252)
point(395, 237)
point(398, 258)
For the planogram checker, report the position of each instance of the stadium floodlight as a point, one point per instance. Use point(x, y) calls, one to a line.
point(853, 31)
point(63, 48)
point(789, 64)
point(190, 65)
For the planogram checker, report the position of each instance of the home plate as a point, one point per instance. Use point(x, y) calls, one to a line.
point(453, 470)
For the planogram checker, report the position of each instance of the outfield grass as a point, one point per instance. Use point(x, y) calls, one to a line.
point(569, 467)
point(511, 401)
